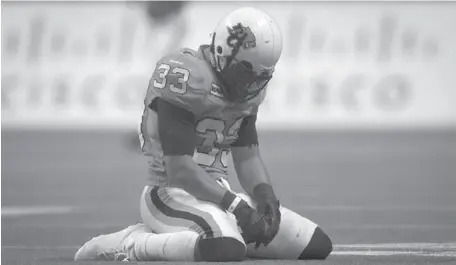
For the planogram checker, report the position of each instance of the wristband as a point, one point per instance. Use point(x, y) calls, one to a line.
point(234, 204)
point(230, 201)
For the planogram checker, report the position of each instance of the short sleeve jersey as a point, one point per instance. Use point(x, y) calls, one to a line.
point(186, 80)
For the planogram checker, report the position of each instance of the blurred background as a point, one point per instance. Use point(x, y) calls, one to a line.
point(343, 64)
point(358, 129)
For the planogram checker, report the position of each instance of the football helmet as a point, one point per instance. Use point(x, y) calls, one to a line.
point(246, 46)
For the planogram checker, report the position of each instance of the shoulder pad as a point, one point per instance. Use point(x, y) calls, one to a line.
point(182, 79)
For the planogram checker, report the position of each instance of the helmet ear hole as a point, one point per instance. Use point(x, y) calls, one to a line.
point(219, 49)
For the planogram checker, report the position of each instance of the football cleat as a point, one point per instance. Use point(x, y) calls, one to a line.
point(117, 246)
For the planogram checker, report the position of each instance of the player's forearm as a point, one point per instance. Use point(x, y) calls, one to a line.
point(250, 168)
point(254, 178)
point(193, 179)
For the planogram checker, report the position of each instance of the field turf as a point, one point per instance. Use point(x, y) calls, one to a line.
point(384, 197)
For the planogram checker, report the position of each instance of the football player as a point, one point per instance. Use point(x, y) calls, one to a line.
point(200, 107)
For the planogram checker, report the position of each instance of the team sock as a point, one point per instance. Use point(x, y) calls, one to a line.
point(178, 246)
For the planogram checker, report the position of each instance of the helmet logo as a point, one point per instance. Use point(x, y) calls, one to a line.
point(240, 36)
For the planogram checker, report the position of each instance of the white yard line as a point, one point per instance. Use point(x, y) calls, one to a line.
point(376, 208)
point(67, 225)
point(388, 249)
point(40, 247)
point(401, 227)
point(394, 253)
point(449, 245)
point(9, 211)
point(397, 249)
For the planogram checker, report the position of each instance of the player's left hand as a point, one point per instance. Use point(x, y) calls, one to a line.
point(269, 207)
point(271, 214)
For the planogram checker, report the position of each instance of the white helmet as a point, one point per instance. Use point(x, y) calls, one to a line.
point(246, 46)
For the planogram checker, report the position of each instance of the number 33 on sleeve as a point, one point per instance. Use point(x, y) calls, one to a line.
point(181, 80)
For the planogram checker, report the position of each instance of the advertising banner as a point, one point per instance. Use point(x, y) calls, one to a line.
point(374, 64)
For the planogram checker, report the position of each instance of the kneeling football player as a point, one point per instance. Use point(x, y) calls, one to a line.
point(200, 107)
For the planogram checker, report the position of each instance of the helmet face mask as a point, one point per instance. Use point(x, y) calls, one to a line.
point(245, 47)
point(242, 83)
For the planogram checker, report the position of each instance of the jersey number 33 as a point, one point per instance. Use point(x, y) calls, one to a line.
point(180, 86)
point(211, 132)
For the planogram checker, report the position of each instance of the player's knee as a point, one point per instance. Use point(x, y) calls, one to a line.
point(221, 249)
point(319, 247)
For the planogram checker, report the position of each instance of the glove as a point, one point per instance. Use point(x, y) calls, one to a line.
point(271, 214)
point(252, 224)
point(269, 207)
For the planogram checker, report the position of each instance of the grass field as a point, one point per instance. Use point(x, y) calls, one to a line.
point(383, 197)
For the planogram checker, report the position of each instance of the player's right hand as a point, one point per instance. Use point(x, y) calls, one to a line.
point(253, 225)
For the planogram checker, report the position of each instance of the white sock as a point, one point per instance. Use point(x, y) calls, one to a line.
point(179, 246)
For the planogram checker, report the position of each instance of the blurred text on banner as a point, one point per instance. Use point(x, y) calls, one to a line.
point(343, 64)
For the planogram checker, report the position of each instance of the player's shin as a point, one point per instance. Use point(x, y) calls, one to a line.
point(319, 246)
point(178, 246)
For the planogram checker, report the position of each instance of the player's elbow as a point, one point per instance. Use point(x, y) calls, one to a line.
point(319, 247)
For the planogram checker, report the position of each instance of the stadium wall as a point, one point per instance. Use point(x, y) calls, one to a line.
point(374, 64)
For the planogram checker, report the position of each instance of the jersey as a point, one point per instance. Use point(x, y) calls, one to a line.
point(186, 79)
